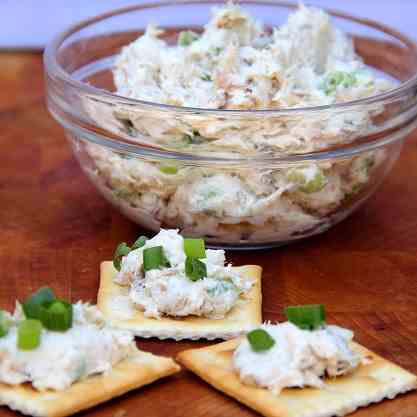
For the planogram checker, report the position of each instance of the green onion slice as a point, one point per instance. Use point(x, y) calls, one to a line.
point(154, 258)
point(4, 324)
point(305, 183)
point(121, 250)
point(306, 317)
point(187, 37)
point(169, 169)
point(336, 78)
point(195, 269)
point(195, 248)
point(32, 305)
point(56, 315)
point(29, 334)
point(260, 340)
point(316, 184)
point(141, 241)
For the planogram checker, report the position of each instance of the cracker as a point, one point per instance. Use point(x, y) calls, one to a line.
point(140, 369)
point(116, 306)
point(368, 384)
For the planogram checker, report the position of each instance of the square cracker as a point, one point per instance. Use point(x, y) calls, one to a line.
point(114, 303)
point(140, 369)
point(342, 395)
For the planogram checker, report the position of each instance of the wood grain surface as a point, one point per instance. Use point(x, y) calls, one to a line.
point(55, 229)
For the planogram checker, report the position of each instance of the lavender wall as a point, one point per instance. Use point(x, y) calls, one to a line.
point(31, 23)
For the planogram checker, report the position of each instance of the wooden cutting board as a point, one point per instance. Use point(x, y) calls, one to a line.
point(55, 229)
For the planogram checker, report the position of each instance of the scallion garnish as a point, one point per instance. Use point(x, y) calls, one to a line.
point(260, 340)
point(307, 183)
point(154, 258)
point(187, 37)
point(337, 78)
point(29, 334)
point(4, 324)
point(306, 317)
point(195, 269)
point(56, 315)
point(195, 248)
point(140, 241)
point(168, 169)
point(32, 305)
point(121, 250)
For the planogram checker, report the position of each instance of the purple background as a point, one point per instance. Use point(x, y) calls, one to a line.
point(32, 23)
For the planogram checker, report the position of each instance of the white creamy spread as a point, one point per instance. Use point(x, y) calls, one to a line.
point(237, 63)
point(299, 358)
point(169, 291)
point(88, 347)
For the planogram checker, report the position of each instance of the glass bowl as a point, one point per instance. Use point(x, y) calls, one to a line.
point(234, 197)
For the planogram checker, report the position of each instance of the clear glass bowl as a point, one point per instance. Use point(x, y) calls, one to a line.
point(246, 198)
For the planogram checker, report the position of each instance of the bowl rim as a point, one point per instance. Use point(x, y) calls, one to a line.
point(54, 69)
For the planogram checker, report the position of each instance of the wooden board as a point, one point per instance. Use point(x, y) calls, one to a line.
point(55, 229)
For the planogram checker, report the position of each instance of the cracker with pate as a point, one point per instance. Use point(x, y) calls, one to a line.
point(116, 306)
point(139, 369)
point(371, 382)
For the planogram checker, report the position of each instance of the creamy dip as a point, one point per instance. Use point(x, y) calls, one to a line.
point(299, 358)
point(169, 291)
point(238, 63)
point(88, 347)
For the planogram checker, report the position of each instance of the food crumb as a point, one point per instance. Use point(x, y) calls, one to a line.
point(120, 413)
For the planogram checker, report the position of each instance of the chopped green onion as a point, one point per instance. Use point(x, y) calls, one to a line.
point(260, 340)
point(337, 78)
point(306, 184)
point(195, 248)
point(29, 334)
point(316, 184)
point(141, 241)
point(349, 80)
point(169, 169)
point(121, 251)
point(306, 317)
point(56, 315)
point(4, 324)
point(154, 258)
point(187, 37)
point(32, 305)
point(195, 269)
point(206, 77)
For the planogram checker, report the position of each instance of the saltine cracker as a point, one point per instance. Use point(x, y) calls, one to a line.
point(114, 303)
